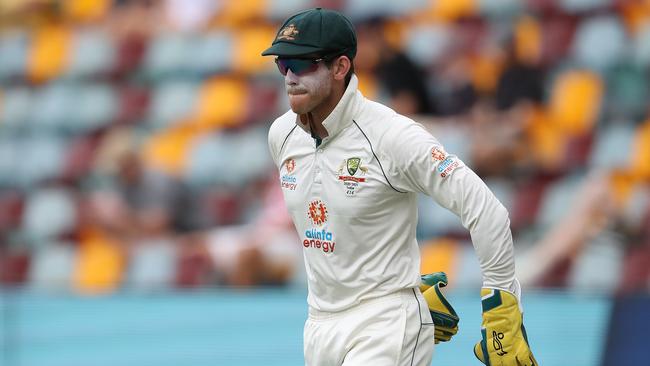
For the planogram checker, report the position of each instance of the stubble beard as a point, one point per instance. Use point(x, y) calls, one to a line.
point(316, 91)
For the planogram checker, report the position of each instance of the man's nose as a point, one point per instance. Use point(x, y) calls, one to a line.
point(290, 78)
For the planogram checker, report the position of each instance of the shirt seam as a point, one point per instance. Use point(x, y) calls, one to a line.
point(375, 155)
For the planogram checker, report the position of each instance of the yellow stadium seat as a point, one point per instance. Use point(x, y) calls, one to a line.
point(439, 255)
point(368, 84)
point(640, 164)
point(48, 56)
point(528, 40)
point(236, 13)
point(451, 10)
point(100, 264)
point(168, 149)
point(221, 103)
point(485, 70)
point(248, 45)
point(86, 10)
point(635, 14)
point(547, 143)
point(575, 101)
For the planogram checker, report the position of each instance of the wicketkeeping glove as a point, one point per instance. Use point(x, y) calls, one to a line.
point(504, 340)
point(443, 314)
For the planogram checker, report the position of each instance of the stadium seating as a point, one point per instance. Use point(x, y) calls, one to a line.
point(196, 98)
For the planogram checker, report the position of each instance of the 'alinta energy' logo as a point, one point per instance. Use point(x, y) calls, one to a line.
point(319, 239)
point(317, 212)
point(289, 181)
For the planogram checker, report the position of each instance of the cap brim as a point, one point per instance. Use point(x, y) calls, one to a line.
point(290, 49)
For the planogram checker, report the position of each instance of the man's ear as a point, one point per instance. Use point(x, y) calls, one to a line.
point(340, 67)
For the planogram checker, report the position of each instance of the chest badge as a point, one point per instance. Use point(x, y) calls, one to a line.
point(356, 172)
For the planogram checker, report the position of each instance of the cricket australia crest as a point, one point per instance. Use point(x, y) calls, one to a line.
point(351, 181)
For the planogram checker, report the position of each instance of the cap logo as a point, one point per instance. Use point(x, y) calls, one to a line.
point(288, 33)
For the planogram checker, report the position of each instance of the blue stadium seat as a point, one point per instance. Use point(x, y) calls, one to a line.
point(641, 46)
point(499, 8)
point(53, 106)
point(8, 159)
point(210, 53)
point(361, 9)
point(600, 42)
point(14, 48)
point(599, 265)
point(152, 265)
point(92, 54)
point(15, 107)
point(575, 6)
point(612, 147)
point(95, 107)
point(167, 55)
point(229, 159)
point(279, 10)
point(171, 101)
point(52, 266)
point(557, 197)
point(41, 157)
point(48, 214)
point(425, 44)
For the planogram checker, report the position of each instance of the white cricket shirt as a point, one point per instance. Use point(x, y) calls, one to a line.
point(353, 201)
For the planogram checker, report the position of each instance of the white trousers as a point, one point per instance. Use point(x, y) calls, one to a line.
point(393, 330)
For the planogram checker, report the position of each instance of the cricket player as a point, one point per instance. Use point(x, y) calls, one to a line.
point(350, 170)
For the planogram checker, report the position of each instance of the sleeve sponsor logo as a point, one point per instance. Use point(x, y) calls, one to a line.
point(447, 166)
point(289, 181)
point(438, 154)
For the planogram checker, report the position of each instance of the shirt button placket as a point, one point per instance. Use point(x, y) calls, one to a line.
point(317, 165)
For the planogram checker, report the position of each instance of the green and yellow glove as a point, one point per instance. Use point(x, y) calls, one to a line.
point(443, 314)
point(504, 340)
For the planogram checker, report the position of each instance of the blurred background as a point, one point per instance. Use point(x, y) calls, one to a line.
point(141, 220)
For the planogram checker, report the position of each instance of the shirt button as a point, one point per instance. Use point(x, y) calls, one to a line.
point(320, 151)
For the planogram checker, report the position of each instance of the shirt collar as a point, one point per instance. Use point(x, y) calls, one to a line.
point(344, 112)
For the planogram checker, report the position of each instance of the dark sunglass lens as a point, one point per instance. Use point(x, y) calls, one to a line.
point(296, 65)
point(282, 65)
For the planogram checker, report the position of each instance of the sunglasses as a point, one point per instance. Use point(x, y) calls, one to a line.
point(299, 66)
